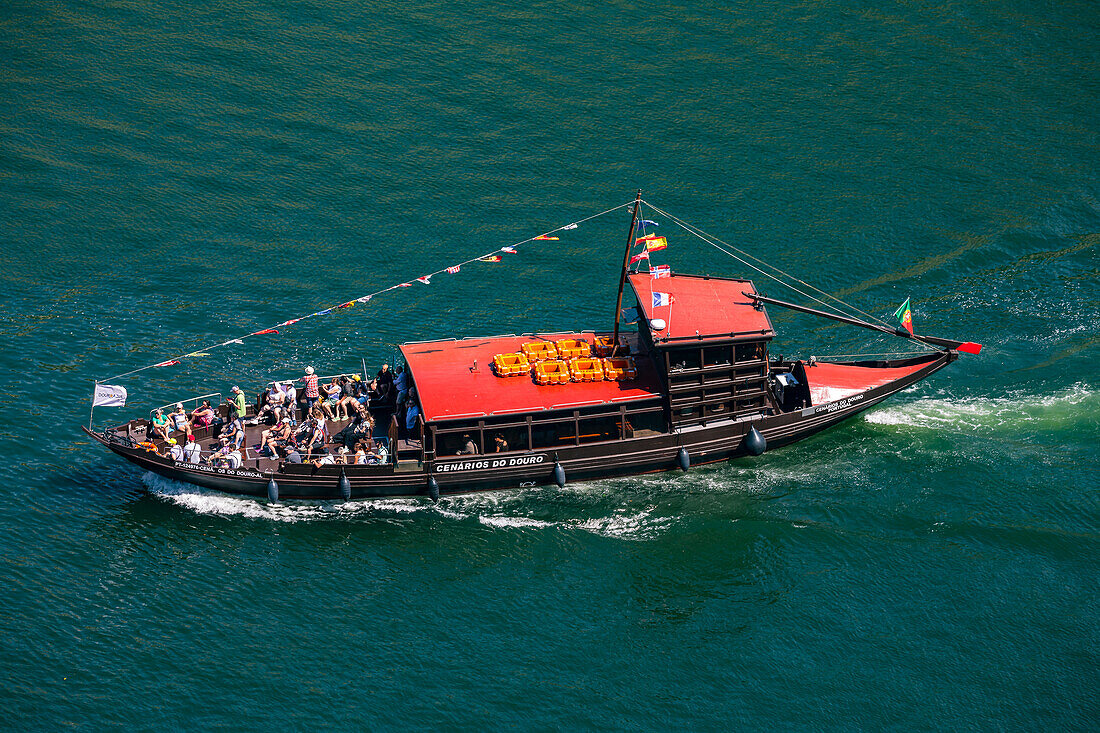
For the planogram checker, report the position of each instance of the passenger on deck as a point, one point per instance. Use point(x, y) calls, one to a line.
point(317, 436)
point(500, 444)
point(160, 424)
point(178, 417)
point(234, 459)
point(385, 381)
point(273, 406)
point(192, 452)
point(325, 458)
point(175, 451)
point(412, 413)
point(468, 447)
point(331, 402)
point(349, 400)
point(401, 384)
point(234, 431)
point(220, 456)
point(290, 400)
point(310, 381)
point(360, 427)
point(379, 456)
point(359, 458)
point(236, 402)
point(203, 416)
point(277, 437)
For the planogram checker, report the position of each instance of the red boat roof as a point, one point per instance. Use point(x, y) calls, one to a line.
point(450, 389)
point(701, 308)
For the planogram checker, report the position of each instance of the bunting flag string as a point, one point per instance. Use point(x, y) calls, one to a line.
point(492, 256)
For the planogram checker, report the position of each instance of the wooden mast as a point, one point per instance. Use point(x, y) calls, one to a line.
point(622, 276)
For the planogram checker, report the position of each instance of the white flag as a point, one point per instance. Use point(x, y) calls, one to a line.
point(109, 395)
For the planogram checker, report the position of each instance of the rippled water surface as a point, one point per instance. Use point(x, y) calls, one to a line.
point(175, 175)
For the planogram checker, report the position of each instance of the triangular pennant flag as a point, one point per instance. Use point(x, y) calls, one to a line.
point(403, 285)
point(647, 238)
point(491, 258)
point(648, 223)
point(426, 280)
point(509, 250)
point(170, 362)
point(349, 304)
point(287, 323)
point(639, 257)
point(546, 238)
point(567, 228)
point(364, 299)
point(266, 330)
point(197, 353)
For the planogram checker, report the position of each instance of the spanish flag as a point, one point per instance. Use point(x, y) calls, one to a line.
point(652, 245)
point(647, 238)
point(905, 315)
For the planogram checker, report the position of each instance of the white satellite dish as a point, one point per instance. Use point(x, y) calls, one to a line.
point(657, 324)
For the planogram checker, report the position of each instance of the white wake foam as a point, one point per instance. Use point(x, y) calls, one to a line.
point(205, 501)
point(990, 413)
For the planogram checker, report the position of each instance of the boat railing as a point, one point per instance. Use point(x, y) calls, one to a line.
point(188, 401)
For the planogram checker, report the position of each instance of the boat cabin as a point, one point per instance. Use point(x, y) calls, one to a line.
point(710, 345)
point(700, 354)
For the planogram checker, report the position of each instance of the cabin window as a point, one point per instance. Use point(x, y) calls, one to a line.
point(451, 444)
point(750, 352)
point(599, 429)
point(554, 435)
point(718, 409)
point(716, 355)
point(514, 437)
point(685, 359)
point(644, 424)
point(684, 413)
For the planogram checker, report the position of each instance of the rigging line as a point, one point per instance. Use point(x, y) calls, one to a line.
point(748, 264)
point(887, 353)
point(364, 298)
point(706, 237)
point(697, 231)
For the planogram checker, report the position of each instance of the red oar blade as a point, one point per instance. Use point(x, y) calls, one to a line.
point(969, 347)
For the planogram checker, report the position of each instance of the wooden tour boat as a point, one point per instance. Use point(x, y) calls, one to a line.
point(695, 384)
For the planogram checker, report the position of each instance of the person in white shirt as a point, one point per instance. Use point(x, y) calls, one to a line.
point(191, 451)
point(291, 402)
point(176, 451)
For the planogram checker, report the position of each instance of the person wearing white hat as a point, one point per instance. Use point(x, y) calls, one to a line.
point(178, 417)
point(310, 382)
point(239, 403)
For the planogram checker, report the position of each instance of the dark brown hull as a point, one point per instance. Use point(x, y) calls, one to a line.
point(714, 442)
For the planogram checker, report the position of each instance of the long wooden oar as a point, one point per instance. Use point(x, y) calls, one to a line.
point(966, 347)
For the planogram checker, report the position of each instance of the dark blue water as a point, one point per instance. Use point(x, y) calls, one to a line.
point(175, 175)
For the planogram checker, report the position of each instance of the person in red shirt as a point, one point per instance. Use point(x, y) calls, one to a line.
point(310, 381)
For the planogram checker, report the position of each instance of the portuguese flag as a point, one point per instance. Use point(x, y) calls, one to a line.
point(905, 315)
